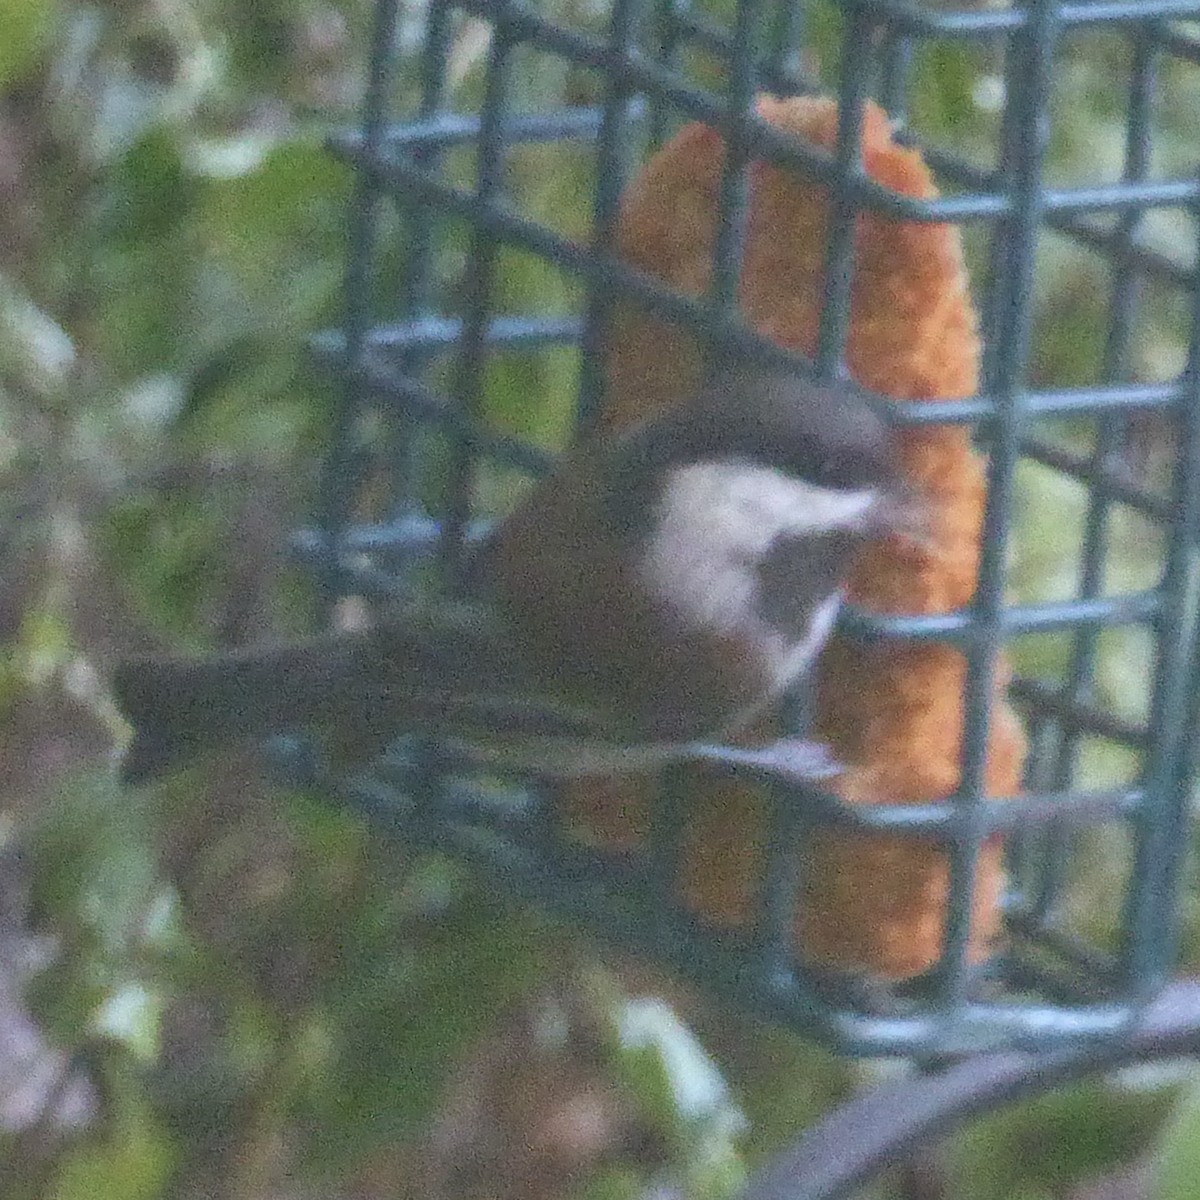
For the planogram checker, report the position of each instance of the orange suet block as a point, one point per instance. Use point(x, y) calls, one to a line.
point(894, 713)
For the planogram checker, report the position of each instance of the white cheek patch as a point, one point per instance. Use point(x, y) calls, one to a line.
point(737, 503)
point(716, 523)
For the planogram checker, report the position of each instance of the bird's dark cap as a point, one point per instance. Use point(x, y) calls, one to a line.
point(827, 434)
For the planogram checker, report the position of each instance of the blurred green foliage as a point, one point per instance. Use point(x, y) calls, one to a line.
point(260, 996)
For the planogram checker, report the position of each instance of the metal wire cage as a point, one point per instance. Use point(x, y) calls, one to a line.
point(466, 100)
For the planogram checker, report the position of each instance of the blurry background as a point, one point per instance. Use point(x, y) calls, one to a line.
point(224, 989)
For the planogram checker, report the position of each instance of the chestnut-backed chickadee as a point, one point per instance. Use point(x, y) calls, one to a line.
point(649, 599)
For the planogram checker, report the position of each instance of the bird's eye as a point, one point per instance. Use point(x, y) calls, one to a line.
point(841, 471)
point(850, 467)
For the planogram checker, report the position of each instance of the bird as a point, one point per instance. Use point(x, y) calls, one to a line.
point(647, 601)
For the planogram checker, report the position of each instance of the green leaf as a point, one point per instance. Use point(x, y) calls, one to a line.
point(618, 1182)
point(1177, 1159)
point(27, 26)
point(1047, 1146)
point(682, 1092)
point(134, 1163)
point(403, 1006)
point(274, 215)
point(152, 193)
point(132, 1015)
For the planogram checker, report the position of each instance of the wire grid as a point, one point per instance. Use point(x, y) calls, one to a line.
point(416, 355)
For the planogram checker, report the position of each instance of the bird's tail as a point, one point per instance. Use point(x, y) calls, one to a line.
point(451, 671)
point(181, 708)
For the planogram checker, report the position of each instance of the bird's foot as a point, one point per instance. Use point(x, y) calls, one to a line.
point(792, 760)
